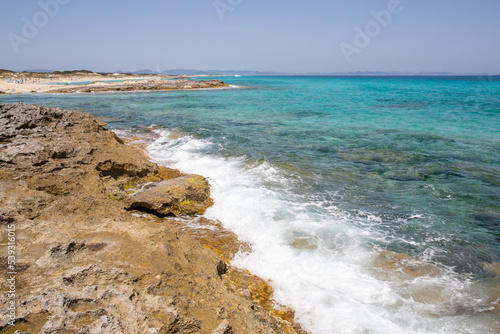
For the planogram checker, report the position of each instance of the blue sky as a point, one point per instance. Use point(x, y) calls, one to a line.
point(294, 36)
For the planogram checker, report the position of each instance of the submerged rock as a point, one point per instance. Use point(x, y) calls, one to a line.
point(484, 172)
point(489, 219)
point(368, 156)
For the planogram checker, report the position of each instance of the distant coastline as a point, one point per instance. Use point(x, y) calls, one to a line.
point(84, 81)
point(198, 73)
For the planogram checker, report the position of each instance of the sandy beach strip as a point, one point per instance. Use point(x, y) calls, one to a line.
point(17, 85)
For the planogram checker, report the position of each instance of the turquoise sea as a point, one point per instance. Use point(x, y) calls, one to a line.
point(372, 204)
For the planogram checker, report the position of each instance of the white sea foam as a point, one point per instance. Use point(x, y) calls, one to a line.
point(319, 262)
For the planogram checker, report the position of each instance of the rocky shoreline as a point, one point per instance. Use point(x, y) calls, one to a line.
point(90, 82)
point(92, 240)
point(148, 85)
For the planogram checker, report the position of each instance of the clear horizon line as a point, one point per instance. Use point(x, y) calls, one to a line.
point(369, 72)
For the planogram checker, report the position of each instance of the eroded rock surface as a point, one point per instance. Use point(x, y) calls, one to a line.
point(189, 194)
point(86, 264)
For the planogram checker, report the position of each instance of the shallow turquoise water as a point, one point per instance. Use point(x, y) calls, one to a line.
point(409, 165)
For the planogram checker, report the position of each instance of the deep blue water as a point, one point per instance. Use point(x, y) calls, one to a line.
point(355, 169)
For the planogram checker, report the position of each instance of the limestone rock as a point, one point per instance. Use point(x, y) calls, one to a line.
point(224, 328)
point(87, 265)
point(185, 195)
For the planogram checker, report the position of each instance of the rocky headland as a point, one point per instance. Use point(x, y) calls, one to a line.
point(92, 238)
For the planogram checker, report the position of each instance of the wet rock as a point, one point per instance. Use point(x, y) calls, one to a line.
point(185, 195)
point(301, 240)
